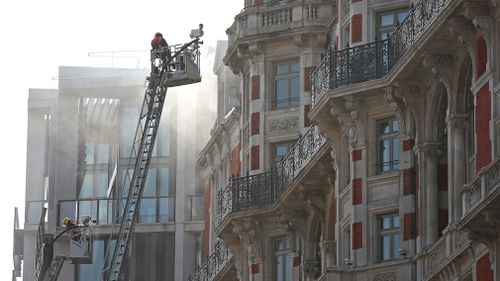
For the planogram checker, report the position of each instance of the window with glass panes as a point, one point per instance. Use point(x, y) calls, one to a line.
point(388, 145)
point(129, 119)
point(158, 202)
point(388, 236)
point(280, 150)
point(286, 84)
point(282, 267)
point(387, 21)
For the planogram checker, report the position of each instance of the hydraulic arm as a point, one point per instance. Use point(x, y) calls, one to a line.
point(173, 67)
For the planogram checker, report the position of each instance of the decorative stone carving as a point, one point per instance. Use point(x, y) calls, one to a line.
point(278, 125)
point(479, 12)
point(399, 107)
point(348, 114)
point(328, 247)
point(457, 121)
point(255, 49)
point(346, 5)
point(385, 276)
point(311, 268)
point(474, 9)
point(249, 231)
point(432, 150)
point(303, 40)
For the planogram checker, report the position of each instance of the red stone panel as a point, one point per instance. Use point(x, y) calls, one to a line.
point(296, 261)
point(409, 225)
point(483, 116)
point(258, 2)
point(481, 56)
point(357, 28)
point(307, 78)
point(357, 235)
point(408, 181)
point(443, 177)
point(255, 123)
point(307, 109)
point(417, 198)
point(357, 191)
point(255, 268)
point(254, 157)
point(408, 144)
point(442, 219)
point(235, 160)
point(255, 87)
point(483, 269)
point(357, 155)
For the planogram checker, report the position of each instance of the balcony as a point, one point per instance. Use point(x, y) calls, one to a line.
point(44, 247)
point(103, 211)
point(217, 262)
point(445, 250)
point(482, 193)
point(275, 16)
point(374, 60)
point(255, 191)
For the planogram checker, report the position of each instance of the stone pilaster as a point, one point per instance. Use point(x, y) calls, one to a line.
point(311, 50)
point(431, 154)
point(456, 164)
point(257, 90)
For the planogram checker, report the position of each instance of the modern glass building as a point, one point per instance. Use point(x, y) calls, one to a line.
point(79, 144)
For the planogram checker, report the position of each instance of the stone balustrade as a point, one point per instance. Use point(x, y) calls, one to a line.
point(479, 189)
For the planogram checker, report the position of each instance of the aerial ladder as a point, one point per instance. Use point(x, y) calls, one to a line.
point(171, 66)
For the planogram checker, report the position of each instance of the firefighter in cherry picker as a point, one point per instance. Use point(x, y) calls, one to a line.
point(159, 49)
point(75, 230)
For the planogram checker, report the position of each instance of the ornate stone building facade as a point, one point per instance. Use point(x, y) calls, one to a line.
point(365, 145)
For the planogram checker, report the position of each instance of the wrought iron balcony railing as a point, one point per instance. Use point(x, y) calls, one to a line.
point(214, 263)
point(374, 60)
point(259, 190)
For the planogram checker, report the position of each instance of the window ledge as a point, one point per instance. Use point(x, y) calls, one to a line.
point(384, 176)
point(284, 110)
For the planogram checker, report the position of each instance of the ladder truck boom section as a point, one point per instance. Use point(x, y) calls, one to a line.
point(170, 66)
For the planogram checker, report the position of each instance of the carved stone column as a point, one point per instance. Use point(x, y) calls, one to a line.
point(456, 164)
point(431, 153)
point(329, 253)
point(311, 269)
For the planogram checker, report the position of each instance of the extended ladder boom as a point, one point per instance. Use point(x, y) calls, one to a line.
point(146, 132)
point(55, 268)
point(166, 71)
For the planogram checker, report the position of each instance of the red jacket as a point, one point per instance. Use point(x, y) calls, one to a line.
point(158, 42)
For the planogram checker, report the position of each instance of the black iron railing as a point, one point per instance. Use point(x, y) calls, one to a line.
point(259, 190)
point(214, 263)
point(374, 60)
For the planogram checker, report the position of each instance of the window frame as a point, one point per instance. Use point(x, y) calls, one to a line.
point(391, 232)
point(388, 28)
point(289, 102)
point(274, 158)
point(281, 253)
point(393, 137)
